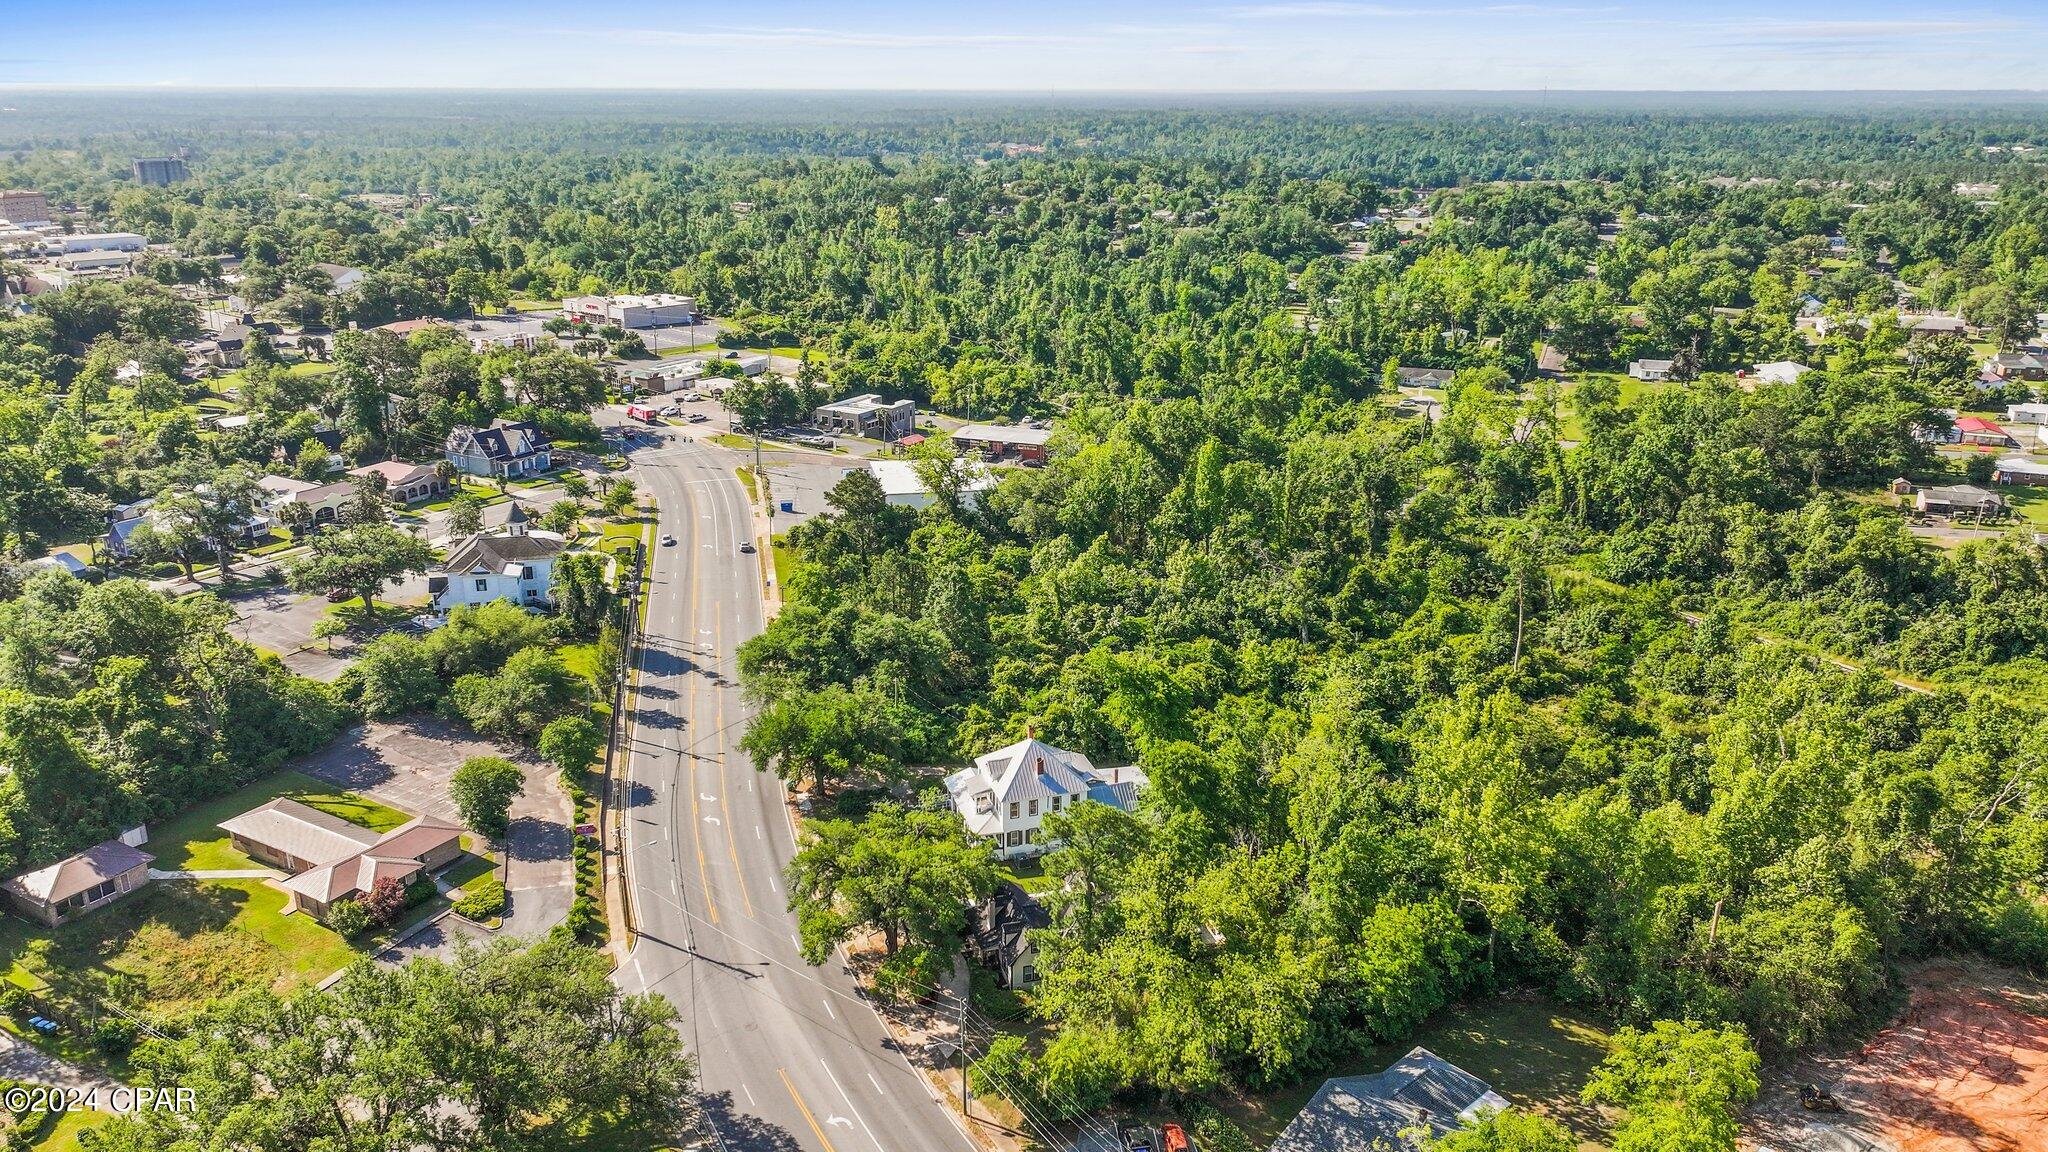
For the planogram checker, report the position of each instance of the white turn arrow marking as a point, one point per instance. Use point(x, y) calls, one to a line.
point(711, 819)
point(838, 1120)
point(707, 797)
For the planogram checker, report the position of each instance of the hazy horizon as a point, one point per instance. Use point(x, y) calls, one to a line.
point(1141, 47)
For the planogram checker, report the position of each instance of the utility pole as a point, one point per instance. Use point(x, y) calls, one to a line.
point(961, 1036)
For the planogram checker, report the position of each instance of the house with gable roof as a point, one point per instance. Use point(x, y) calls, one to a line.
point(511, 563)
point(508, 449)
point(331, 859)
point(1009, 792)
point(1419, 1094)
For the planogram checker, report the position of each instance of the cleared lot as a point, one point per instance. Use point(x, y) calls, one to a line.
point(1964, 1069)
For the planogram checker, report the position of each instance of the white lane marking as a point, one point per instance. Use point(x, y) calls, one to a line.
point(795, 943)
point(849, 1105)
point(877, 1084)
point(750, 1094)
point(828, 1007)
point(772, 884)
point(757, 831)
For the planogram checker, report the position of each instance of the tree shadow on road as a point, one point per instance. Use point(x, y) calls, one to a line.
point(743, 1133)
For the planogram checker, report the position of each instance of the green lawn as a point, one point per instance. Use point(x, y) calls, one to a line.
point(522, 304)
point(468, 868)
point(178, 944)
point(63, 1135)
point(785, 562)
point(1536, 1053)
point(580, 659)
point(2029, 505)
point(1028, 874)
point(193, 840)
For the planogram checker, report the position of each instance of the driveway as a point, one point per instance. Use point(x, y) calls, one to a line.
point(20, 1060)
point(407, 764)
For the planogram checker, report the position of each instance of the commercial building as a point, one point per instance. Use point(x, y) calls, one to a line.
point(161, 171)
point(663, 376)
point(660, 310)
point(94, 242)
point(331, 859)
point(997, 440)
point(868, 415)
point(24, 208)
point(904, 488)
point(93, 261)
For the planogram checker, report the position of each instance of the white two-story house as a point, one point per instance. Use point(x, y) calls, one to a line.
point(1009, 792)
point(511, 564)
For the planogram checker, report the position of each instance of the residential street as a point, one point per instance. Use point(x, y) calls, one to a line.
point(791, 1057)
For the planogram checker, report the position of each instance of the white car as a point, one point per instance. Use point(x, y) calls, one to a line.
point(671, 410)
point(698, 417)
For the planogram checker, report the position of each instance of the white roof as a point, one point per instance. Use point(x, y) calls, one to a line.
point(1781, 371)
point(900, 478)
point(855, 405)
point(1000, 434)
point(1031, 769)
point(285, 485)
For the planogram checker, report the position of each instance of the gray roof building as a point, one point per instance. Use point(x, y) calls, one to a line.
point(1420, 1092)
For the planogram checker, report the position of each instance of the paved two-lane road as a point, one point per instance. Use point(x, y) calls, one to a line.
point(790, 1056)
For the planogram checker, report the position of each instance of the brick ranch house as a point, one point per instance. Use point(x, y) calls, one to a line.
point(331, 859)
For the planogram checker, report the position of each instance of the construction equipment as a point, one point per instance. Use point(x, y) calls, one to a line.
point(1814, 1098)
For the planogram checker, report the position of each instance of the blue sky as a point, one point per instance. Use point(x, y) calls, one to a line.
point(1052, 45)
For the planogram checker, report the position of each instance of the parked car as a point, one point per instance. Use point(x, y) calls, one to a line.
point(698, 417)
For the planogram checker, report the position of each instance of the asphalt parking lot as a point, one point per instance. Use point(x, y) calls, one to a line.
point(280, 620)
point(407, 764)
point(803, 483)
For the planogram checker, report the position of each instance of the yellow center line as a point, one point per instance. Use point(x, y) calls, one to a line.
point(689, 730)
point(732, 834)
point(815, 1130)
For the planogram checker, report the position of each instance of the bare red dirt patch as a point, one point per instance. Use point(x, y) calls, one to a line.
point(1965, 1069)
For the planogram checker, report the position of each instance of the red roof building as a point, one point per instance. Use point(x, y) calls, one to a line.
point(1977, 430)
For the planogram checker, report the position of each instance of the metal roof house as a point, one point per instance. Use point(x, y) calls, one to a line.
point(1008, 793)
point(1419, 1093)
